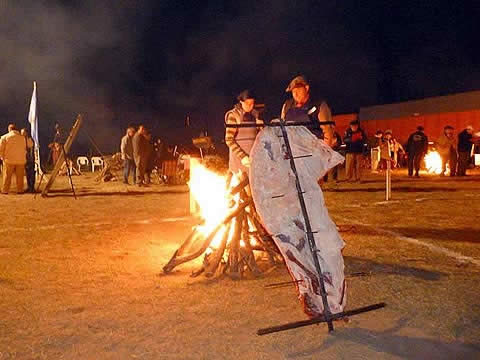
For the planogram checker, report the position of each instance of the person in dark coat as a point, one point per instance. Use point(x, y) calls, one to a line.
point(140, 149)
point(30, 164)
point(302, 108)
point(465, 141)
point(150, 157)
point(355, 140)
point(417, 147)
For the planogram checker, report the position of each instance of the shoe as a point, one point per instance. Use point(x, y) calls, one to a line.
point(417, 175)
point(126, 182)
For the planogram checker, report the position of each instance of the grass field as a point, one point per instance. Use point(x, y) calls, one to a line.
point(81, 279)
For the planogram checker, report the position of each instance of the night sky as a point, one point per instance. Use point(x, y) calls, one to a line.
point(155, 62)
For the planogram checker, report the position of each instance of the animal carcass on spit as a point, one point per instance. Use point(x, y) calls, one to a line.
point(276, 200)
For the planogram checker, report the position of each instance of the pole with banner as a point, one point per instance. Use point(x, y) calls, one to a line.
point(33, 120)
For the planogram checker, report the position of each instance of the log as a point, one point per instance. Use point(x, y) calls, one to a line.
point(178, 259)
point(61, 159)
point(217, 255)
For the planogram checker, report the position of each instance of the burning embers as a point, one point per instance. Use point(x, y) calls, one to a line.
point(230, 233)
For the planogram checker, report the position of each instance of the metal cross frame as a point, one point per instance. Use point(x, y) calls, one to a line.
point(327, 316)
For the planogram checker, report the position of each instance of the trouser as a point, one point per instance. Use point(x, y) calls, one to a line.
point(375, 157)
point(30, 172)
point(353, 166)
point(414, 160)
point(451, 160)
point(129, 166)
point(8, 171)
point(463, 161)
point(141, 166)
point(332, 174)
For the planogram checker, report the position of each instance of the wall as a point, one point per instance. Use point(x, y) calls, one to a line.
point(402, 127)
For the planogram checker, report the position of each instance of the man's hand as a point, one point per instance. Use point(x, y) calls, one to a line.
point(246, 161)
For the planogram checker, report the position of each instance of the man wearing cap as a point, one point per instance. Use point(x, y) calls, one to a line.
point(240, 139)
point(355, 140)
point(465, 141)
point(301, 108)
point(417, 147)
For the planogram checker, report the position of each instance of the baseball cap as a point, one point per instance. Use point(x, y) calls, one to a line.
point(296, 82)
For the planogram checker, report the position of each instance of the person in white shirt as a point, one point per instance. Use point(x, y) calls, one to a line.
point(13, 152)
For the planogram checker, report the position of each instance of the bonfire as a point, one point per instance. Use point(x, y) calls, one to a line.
point(434, 163)
point(229, 234)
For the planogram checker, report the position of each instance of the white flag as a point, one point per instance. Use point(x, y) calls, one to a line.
point(33, 120)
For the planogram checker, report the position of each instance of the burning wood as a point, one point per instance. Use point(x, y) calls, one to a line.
point(433, 162)
point(229, 233)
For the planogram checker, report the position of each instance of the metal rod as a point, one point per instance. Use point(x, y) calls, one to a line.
point(293, 282)
point(320, 319)
point(311, 240)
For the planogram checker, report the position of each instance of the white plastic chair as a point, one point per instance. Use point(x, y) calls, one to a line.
point(82, 161)
point(96, 161)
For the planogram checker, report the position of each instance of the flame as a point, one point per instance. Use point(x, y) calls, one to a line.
point(433, 162)
point(209, 190)
point(211, 194)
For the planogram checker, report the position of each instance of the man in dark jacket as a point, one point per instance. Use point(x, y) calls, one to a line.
point(301, 108)
point(465, 141)
point(140, 149)
point(417, 147)
point(355, 140)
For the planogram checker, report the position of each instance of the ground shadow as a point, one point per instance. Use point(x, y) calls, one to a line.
point(68, 193)
point(444, 234)
point(405, 347)
point(361, 265)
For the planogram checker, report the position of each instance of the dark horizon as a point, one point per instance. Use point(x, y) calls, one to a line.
point(155, 62)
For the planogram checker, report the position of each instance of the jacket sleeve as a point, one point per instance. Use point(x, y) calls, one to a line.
point(2, 147)
point(123, 146)
point(136, 145)
point(347, 138)
point(425, 148)
point(409, 144)
point(230, 136)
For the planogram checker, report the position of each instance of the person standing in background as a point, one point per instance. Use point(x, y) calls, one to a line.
point(465, 142)
point(30, 164)
point(139, 154)
point(447, 148)
point(126, 149)
point(13, 152)
point(417, 147)
point(355, 140)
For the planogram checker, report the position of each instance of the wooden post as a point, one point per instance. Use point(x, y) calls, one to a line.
point(61, 159)
point(388, 180)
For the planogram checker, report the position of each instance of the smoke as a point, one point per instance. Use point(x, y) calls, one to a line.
point(262, 45)
point(82, 57)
